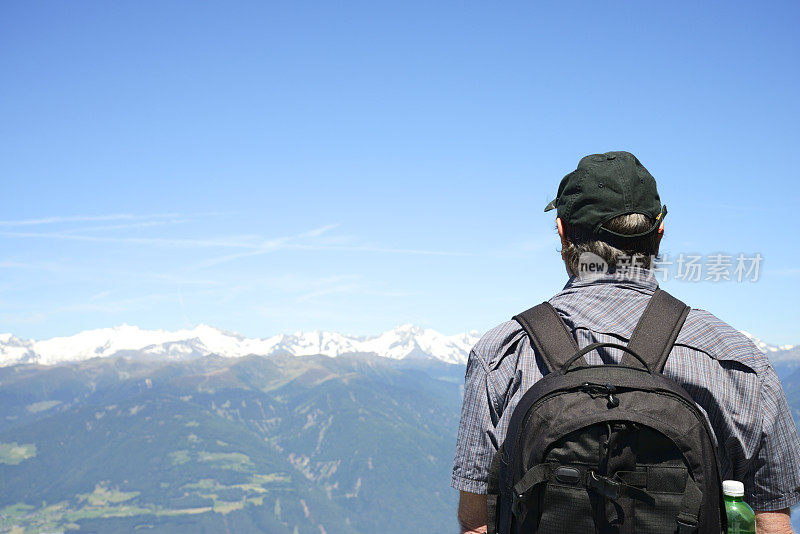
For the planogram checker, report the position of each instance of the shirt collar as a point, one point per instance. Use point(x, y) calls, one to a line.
point(633, 277)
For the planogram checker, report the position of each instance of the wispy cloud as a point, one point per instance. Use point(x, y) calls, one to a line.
point(60, 229)
point(127, 226)
point(43, 266)
point(250, 245)
point(163, 277)
point(316, 232)
point(227, 242)
point(266, 246)
point(316, 288)
point(332, 290)
point(88, 218)
point(378, 249)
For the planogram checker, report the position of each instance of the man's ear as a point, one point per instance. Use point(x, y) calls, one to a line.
point(560, 226)
point(660, 236)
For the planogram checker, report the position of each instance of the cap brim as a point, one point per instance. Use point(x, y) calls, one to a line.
point(551, 205)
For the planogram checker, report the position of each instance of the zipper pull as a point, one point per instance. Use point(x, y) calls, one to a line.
point(598, 390)
point(613, 401)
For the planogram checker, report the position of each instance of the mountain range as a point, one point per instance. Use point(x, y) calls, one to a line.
point(407, 341)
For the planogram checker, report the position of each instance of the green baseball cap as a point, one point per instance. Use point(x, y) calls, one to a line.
point(605, 186)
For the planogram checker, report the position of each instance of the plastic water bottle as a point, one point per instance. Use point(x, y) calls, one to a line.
point(741, 519)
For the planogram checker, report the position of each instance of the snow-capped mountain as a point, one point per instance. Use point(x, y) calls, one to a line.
point(776, 353)
point(765, 347)
point(405, 341)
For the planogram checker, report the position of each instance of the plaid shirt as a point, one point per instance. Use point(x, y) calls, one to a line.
point(732, 382)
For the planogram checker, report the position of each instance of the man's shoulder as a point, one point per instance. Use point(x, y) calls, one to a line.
point(706, 332)
point(702, 331)
point(496, 342)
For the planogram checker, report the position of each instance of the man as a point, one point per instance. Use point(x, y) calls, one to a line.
point(609, 210)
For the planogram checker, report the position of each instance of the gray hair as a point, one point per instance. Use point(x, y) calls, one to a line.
point(640, 251)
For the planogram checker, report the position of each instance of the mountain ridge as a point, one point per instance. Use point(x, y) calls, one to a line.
point(204, 340)
point(405, 341)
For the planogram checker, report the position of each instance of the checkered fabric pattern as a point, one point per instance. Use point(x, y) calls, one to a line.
point(732, 382)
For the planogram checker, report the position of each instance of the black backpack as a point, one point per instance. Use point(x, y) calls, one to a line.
point(606, 448)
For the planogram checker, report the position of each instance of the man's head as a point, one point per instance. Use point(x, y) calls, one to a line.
point(609, 207)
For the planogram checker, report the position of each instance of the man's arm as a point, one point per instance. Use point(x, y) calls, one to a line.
point(774, 476)
point(777, 522)
point(472, 514)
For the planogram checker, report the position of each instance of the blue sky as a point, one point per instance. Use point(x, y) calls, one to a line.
point(270, 167)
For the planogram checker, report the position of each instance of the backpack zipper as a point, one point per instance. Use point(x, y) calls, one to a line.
point(602, 390)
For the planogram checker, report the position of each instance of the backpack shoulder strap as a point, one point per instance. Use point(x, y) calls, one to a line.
point(548, 334)
point(657, 330)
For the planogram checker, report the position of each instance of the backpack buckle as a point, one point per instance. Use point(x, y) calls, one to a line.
point(605, 486)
